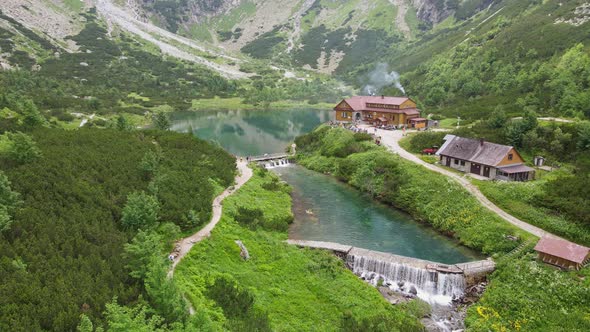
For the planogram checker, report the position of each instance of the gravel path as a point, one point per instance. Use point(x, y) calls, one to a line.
point(245, 173)
point(390, 139)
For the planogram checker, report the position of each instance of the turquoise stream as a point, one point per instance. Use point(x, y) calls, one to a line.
point(325, 209)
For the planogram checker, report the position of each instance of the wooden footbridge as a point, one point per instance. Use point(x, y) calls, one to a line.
point(471, 270)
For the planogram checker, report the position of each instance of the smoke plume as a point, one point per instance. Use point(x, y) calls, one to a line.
point(379, 78)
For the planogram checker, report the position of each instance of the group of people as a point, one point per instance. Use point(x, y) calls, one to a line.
point(350, 126)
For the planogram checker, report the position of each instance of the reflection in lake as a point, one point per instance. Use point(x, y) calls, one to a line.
point(250, 132)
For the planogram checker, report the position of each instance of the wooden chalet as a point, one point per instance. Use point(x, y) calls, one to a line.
point(490, 160)
point(379, 110)
point(562, 253)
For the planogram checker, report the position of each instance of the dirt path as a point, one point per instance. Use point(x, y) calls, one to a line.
point(390, 139)
point(245, 173)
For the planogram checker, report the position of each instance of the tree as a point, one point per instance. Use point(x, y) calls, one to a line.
point(140, 252)
point(498, 118)
point(141, 211)
point(163, 293)
point(5, 220)
point(123, 124)
point(124, 319)
point(31, 115)
point(150, 162)
point(584, 136)
point(161, 121)
point(85, 324)
point(22, 148)
point(9, 200)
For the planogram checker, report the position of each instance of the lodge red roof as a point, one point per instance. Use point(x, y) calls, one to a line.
point(562, 249)
point(359, 103)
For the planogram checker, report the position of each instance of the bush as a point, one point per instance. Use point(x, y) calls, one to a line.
point(426, 140)
point(141, 211)
point(250, 217)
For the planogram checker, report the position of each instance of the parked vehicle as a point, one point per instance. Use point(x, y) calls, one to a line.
point(430, 151)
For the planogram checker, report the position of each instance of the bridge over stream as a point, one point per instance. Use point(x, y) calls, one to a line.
point(270, 156)
point(472, 271)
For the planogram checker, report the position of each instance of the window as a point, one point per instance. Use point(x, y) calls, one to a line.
point(344, 115)
point(456, 162)
point(510, 156)
point(462, 162)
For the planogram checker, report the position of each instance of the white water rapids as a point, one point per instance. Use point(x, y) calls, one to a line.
point(430, 286)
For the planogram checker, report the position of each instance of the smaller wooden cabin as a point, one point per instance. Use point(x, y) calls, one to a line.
point(562, 253)
point(418, 123)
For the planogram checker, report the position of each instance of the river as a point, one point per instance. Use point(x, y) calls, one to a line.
point(325, 209)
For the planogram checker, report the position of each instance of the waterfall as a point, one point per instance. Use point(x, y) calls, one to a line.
point(277, 163)
point(431, 286)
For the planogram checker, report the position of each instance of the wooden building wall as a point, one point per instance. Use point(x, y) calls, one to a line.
point(558, 261)
point(516, 158)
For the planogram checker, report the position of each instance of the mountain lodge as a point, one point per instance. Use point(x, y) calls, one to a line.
point(380, 110)
point(490, 160)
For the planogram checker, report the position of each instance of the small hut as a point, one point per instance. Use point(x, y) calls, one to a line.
point(562, 253)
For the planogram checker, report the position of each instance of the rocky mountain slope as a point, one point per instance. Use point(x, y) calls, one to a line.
point(315, 34)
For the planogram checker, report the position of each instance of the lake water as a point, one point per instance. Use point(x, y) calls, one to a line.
point(247, 133)
point(339, 213)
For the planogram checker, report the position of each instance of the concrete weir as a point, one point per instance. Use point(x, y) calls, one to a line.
point(432, 281)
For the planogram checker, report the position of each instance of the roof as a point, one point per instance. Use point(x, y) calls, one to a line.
point(473, 150)
point(359, 103)
point(562, 249)
point(515, 169)
point(418, 119)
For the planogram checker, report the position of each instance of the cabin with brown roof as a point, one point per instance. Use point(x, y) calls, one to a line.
point(378, 110)
point(490, 160)
point(562, 253)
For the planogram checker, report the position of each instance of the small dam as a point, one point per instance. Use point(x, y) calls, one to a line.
point(431, 281)
point(272, 160)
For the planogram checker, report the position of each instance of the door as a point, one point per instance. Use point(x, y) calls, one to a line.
point(448, 162)
point(476, 168)
point(486, 171)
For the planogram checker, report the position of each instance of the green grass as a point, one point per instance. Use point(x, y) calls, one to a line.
point(238, 103)
point(236, 15)
point(200, 31)
point(524, 295)
point(518, 199)
point(75, 5)
point(382, 16)
point(299, 289)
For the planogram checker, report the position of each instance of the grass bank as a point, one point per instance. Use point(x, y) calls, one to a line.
point(237, 103)
point(519, 199)
point(290, 289)
point(524, 295)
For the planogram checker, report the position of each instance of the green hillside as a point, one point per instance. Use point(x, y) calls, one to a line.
point(63, 253)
